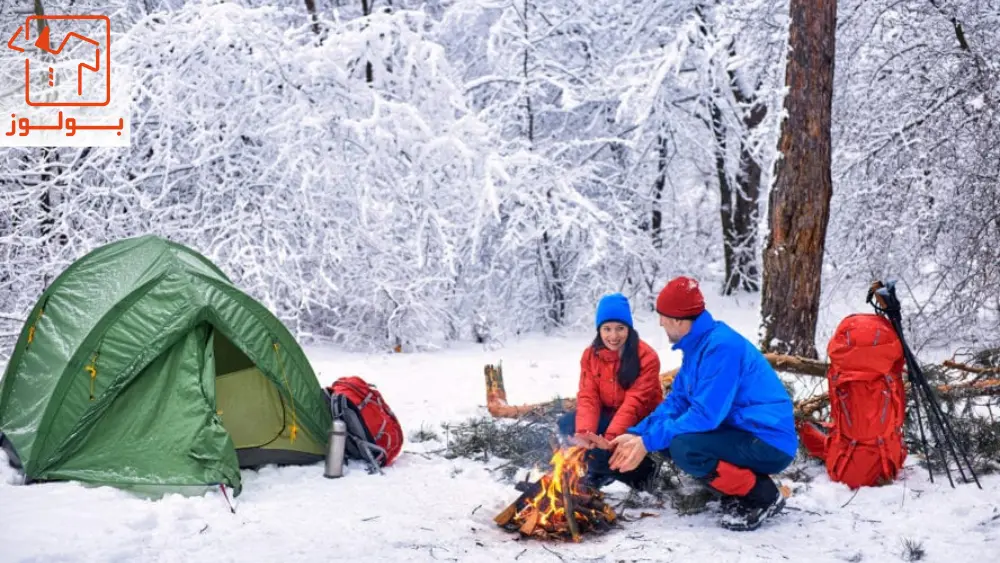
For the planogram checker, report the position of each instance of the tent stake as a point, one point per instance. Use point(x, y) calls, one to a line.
point(225, 496)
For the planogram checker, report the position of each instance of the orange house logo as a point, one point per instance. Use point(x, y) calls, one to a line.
point(68, 95)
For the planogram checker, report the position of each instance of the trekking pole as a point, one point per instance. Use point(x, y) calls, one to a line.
point(941, 431)
point(935, 429)
point(940, 428)
point(951, 439)
point(934, 406)
point(920, 427)
point(882, 308)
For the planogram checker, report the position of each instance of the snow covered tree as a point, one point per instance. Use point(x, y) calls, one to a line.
point(916, 121)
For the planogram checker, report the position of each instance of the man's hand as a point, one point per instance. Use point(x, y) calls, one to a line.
point(629, 451)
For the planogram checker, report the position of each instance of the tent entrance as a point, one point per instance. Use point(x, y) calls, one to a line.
point(254, 413)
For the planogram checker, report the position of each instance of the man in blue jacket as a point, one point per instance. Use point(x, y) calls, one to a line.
point(728, 421)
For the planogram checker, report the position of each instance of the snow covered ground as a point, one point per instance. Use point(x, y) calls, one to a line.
point(428, 508)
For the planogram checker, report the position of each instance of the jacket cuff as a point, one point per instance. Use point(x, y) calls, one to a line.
point(612, 433)
point(652, 444)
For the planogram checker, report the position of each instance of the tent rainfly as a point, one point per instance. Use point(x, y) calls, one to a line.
point(143, 367)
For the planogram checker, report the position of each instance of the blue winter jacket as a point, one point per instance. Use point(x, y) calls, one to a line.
point(724, 381)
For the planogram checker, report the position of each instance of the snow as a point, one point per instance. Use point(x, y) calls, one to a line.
point(428, 508)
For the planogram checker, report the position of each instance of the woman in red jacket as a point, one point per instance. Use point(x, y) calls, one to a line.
point(619, 386)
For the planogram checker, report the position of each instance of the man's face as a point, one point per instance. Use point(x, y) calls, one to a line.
point(675, 328)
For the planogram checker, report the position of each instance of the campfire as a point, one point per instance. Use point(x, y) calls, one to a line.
point(558, 506)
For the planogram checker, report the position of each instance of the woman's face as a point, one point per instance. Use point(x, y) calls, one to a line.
point(614, 335)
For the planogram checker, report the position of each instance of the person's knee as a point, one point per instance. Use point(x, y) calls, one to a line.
point(683, 446)
point(567, 423)
point(689, 455)
point(779, 464)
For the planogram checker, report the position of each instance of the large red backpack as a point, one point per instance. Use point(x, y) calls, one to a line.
point(374, 434)
point(864, 446)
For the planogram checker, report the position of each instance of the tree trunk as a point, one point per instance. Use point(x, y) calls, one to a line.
point(313, 16)
point(551, 271)
point(659, 186)
point(746, 275)
point(799, 203)
point(366, 10)
point(730, 239)
point(738, 204)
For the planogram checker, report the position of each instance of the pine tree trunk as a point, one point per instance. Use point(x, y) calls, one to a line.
point(799, 203)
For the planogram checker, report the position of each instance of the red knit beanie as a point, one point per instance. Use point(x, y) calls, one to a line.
point(680, 298)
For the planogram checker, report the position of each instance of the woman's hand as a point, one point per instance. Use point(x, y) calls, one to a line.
point(599, 441)
point(582, 439)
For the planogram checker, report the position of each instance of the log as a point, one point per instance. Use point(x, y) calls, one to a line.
point(530, 522)
point(981, 388)
point(506, 516)
point(797, 364)
point(569, 509)
point(965, 390)
point(971, 369)
point(496, 395)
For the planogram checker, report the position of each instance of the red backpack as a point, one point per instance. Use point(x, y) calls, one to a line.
point(865, 444)
point(374, 434)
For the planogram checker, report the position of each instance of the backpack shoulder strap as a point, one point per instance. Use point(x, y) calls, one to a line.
point(359, 441)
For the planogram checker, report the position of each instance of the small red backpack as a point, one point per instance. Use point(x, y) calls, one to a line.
point(864, 446)
point(373, 431)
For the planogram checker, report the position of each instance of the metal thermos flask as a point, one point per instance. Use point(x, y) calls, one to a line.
point(335, 450)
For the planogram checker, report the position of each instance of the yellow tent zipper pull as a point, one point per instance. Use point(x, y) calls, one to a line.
point(92, 370)
point(31, 329)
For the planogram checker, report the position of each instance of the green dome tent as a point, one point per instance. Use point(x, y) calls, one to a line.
point(143, 367)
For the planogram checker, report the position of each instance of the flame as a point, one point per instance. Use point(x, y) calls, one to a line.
point(546, 512)
point(568, 466)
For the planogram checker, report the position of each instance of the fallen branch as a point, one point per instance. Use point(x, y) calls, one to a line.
point(556, 553)
point(797, 364)
point(971, 369)
point(496, 396)
point(984, 388)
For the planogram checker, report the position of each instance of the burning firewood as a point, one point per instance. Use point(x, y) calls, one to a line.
point(558, 506)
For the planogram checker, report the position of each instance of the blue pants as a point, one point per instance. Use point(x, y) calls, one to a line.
point(699, 453)
point(598, 461)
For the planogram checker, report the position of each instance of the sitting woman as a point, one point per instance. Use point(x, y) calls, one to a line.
point(619, 386)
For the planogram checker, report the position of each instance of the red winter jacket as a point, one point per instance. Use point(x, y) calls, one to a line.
point(599, 388)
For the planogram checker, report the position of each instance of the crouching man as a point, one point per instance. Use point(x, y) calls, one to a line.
point(727, 420)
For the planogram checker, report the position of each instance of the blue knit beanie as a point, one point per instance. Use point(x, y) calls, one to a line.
point(614, 307)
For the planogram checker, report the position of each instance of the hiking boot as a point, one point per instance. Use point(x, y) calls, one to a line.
point(727, 503)
point(748, 513)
